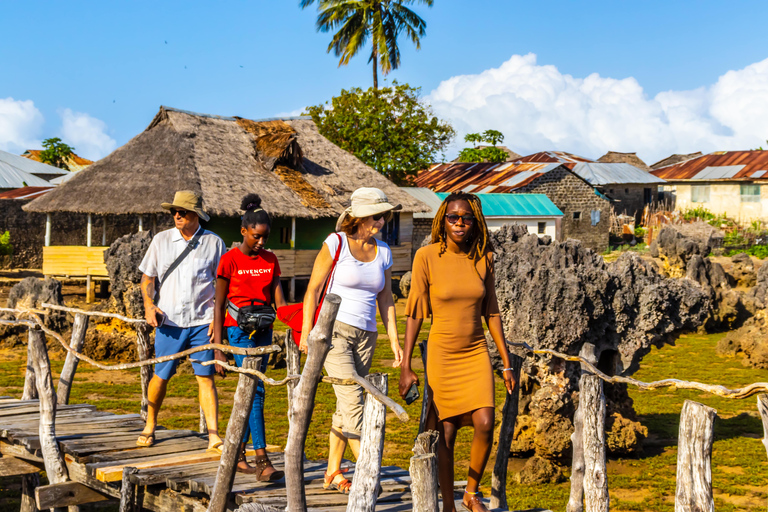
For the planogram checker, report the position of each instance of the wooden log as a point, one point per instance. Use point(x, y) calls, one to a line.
point(203, 427)
point(363, 494)
point(591, 396)
point(30, 388)
point(694, 457)
point(293, 363)
point(576, 498)
point(241, 410)
point(28, 485)
point(79, 327)
point(423, 471)
point(128, 491)
point(12, 466)
point(52, 457)
point(506, 433)
point(425, 398)
point(257, 507)
point(76, 311)
point(762, 406)
point(142, 348)
point(300, 410)
point(66, 494)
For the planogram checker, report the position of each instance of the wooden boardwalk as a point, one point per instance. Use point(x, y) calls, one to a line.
point(175, 474)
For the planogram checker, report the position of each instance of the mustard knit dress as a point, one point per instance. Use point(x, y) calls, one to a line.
point(447, 287)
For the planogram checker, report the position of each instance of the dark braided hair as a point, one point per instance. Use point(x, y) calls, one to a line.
point(254, 214)
point(479, 241)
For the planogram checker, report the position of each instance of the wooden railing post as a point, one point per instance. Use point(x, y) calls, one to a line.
point(79, 327)
point(762, 406)
point(203, 425)
point(300, 410)
point(28, 484)
point(591, 396)
point(128, 491)
point(694, 454)
point(30, 388)
point(425, 395)
point(576, 498)
point(292, 363)
point(363, 494)
point(142, 348)
point(423, 472)
point(506, 433)
point(241, 410)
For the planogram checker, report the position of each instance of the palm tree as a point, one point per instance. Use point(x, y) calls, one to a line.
point(380, 20)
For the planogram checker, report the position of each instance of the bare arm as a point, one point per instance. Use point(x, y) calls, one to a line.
point(320, 271)
point(148, 293)
point(277, 293)
point(407, 376)
point(219, 312)
point(388, 317)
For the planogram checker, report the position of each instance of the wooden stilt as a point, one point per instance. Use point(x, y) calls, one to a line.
point(694, 458)
point(241, 410)
point(292, 362)
point(28, 485)
point(203, 427)
point(762, 406)
point(596, 498)
point(142, 347)
point(423, 472)
point(363, 494)
point(90, 294)
point(30, 388)
point(79, 327)
point(128, 491)
point(506, 433)
point(576, 499)
point(300, 411)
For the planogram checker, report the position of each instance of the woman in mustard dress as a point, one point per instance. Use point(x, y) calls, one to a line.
point(453, 282)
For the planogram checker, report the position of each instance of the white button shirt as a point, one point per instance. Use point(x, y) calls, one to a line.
point(186, 295)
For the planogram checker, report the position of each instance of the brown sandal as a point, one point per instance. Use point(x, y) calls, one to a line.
point(261, 463)
point(341, 486)
point(475, 499)
point(248, 470)
point(146, 440)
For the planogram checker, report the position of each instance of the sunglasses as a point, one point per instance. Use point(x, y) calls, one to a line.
point(174, 211)
point(467, 219)
point(380, 216)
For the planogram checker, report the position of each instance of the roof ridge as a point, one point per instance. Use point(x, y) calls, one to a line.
point(234, 118)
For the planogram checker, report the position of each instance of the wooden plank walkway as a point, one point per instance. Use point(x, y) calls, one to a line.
point(174, 474)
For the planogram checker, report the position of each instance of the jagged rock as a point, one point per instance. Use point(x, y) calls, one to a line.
point(539, 470)
point(675, 249)
point(123, 258)
point(624, 436)
point(750, 341)
point(524, 437)
point(743, 270)
point(405, 284)
point(32, 292)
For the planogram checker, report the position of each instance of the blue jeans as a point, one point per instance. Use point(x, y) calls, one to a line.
point(255, 425)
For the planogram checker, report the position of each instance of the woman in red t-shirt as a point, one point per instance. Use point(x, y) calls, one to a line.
point(247, 273)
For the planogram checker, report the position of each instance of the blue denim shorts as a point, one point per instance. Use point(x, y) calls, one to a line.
point(171, 340)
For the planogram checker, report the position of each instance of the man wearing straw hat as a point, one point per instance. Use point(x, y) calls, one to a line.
point(178, 286)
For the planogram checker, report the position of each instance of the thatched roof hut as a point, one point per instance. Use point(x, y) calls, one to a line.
point(675, 159)
point(614, 157)
point(298, 172)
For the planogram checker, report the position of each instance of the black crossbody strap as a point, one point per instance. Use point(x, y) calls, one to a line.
point(188, 249)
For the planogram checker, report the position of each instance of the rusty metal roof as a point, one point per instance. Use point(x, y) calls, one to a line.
point(554, 156)
point(25, 193)
point(482, 178)
point(720, 165)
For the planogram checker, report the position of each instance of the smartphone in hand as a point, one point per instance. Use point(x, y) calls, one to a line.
point(412, 395)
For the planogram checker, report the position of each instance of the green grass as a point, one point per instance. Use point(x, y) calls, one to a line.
point(644, 483)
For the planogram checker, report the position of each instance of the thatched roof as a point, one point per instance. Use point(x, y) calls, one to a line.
point(675, 159)
point(296, 171)
point(614, 157)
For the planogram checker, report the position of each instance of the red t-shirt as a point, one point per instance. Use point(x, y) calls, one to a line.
point(249, 278)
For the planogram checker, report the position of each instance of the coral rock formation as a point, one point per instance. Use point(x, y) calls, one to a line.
point(123, 258)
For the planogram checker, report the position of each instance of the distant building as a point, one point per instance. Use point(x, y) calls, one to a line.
point(17, 172)
point(614, 157)
point(732, 183)
point(675, 159)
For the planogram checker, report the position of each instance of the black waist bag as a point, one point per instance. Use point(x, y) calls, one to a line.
point(253, 319)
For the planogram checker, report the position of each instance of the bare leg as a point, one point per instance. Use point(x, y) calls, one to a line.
point(445, 445)
point(337, 445)
point(209, 401)
point(482, 441)
point(155, 395)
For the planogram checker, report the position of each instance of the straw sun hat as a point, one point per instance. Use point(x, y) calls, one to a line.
point(189, 201)
point(367, 201)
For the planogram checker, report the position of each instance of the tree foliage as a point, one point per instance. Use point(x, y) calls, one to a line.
point(486, 154)
point(56, 153)
point(389, 129)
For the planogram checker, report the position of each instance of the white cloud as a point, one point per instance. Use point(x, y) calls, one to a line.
point(20, 124)
point(538, 109)
point(86, 134)
point(292, 113)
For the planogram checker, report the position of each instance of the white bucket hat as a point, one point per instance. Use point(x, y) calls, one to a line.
point(367, 201)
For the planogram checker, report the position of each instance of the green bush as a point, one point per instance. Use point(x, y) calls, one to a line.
point(6, 248)
point(758, 251)
point(734, 238)
point(640, 231)
point(698, 213)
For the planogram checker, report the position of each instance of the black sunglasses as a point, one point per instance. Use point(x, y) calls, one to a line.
point(380, 216)
point(453, 218)
point(183, 213)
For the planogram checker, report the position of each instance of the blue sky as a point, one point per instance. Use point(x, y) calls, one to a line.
point(96, 72)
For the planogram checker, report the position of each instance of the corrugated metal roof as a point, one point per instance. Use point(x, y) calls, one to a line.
point(13, 176)
point(30, 166)
point(62, 179)
point(486, 177)
point(515, 205)
point(599, 173)
point(427, 197)
point(25, 193)
point(554, 156)
point(751, 163)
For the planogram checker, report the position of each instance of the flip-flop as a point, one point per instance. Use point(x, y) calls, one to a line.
point(216, 448)
point(146, 440)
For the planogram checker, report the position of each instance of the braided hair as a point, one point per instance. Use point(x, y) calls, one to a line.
point(479, 241)
point(254, 214)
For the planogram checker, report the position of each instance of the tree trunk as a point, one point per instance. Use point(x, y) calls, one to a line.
point(762, 406)
point(28, 484)
point(576, 499)
point(506, 433)
point(241, 410)
point(300, 411)
point(142, 347)
point(30, 388)
point(363, 494)
point(596, 498)
point(694, 454)
point(79, 327)
point(423, 472)
point(375, 59)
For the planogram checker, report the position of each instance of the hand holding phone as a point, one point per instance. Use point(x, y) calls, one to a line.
point(412, 395)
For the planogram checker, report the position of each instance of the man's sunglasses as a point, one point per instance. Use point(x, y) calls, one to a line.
point(453, 218)
point(380, 216)
point(183, 213)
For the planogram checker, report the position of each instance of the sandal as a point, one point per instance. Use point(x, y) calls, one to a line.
point(261, 463)
point(146, 440)
point(475, 499)
point(342, 486)
point(248, 470)
point(216, 447)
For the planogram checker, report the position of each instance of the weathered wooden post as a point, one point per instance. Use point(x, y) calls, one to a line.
point(28, 484)
point(506, 433)
point(128, 491)
point(300, 410)
point(591, 396)
point(52, 458)
point(142, 347)
point(423, 472)
point(762, 406)
point(79, 327)
point(694, 458)
point(30, 388)
point(293, 364)
point(363, 494)
point(425, 395)
point(576, 499)
point(241, 410)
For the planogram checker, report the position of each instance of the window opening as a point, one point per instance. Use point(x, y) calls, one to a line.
point(542, 228)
